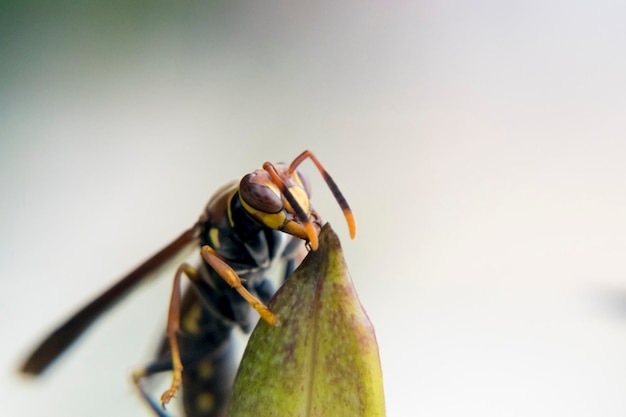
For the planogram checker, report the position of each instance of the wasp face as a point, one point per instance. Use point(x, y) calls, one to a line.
point(279, 199)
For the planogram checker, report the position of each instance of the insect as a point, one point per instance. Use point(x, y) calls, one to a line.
point(245, 226)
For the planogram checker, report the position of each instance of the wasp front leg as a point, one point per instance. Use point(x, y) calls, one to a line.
point(230, 276)
point(173, 318)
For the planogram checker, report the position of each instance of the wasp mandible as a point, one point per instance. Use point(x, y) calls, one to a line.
point(245, 226)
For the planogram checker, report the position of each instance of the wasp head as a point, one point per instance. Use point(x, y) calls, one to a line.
point(279, 199)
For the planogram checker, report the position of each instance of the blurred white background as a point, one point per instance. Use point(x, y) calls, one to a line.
point(481, 145)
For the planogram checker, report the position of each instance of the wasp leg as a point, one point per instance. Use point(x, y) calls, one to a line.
point(211, 380)
point(151, 369)
point(173, 318)
point(231, 277)
point(173, 326)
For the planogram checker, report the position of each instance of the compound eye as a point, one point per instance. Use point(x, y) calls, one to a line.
point(259, 195)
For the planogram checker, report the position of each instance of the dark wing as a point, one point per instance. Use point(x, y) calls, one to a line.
point(56, 343)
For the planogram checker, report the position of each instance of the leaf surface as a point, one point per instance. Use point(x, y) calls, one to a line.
point(323, 359)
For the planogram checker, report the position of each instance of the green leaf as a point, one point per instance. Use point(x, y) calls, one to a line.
point(323, 358)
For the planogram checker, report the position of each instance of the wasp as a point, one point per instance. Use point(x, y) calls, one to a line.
point(244, 228)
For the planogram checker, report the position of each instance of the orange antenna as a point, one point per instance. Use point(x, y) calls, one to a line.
point(347, 212)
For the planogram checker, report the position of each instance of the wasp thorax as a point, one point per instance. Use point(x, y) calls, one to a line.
point(258, 191)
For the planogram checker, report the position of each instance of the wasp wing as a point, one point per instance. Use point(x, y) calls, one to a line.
point(61, 338)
